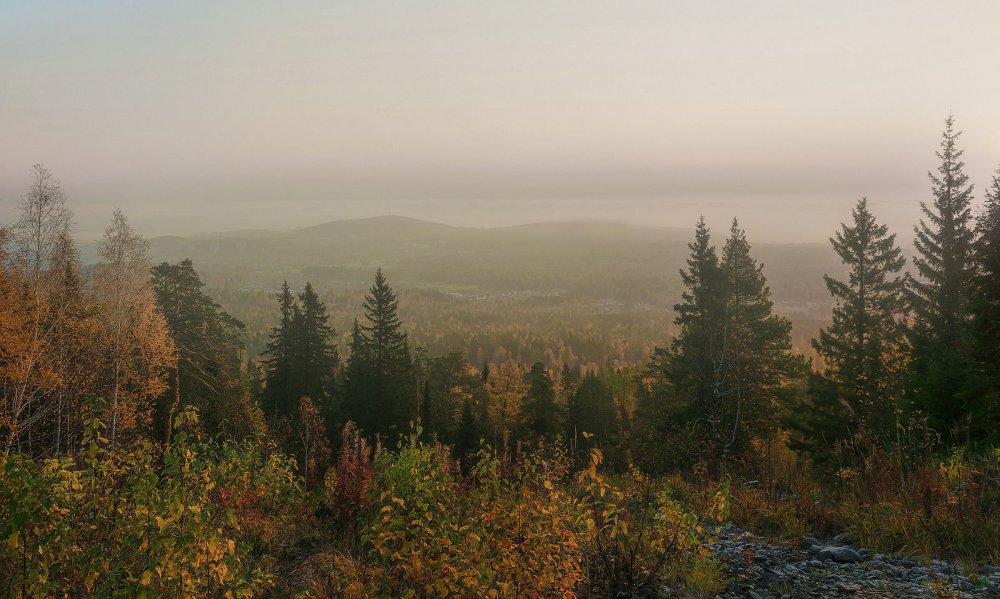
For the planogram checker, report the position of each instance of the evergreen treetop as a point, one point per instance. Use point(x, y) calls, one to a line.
point(858, 347)
point(944, 244)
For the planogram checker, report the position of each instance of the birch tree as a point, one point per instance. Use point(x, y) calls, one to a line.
point(137, 346)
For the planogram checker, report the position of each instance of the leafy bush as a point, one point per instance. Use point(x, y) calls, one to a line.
point(121, 524)
point(431, 533)
point(639, 536)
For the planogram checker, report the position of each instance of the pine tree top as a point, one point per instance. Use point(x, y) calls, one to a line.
point(944, 242)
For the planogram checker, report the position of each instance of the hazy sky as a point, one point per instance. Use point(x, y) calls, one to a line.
point(200, 116)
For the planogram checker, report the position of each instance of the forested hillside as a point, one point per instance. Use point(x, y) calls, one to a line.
point(574, 292)
point(392, 408)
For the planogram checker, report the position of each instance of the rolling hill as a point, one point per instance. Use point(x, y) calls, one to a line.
point(515, 289)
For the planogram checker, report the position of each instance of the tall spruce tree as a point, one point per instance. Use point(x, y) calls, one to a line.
point(721, 382)
point(858, 389)
point(699, 360)
point(315, 358)
point(940, 294)
point(540, 412)
point(278, 354)
point(987, 287)
point(982, 391)
point(758, 355)
point(356, 403)
point(388, 403)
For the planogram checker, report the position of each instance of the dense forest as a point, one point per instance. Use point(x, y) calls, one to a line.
point(530, 414)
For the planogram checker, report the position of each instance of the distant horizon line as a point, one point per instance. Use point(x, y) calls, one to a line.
point(424, 221)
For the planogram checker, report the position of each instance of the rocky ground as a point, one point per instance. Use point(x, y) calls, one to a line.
point(760, 570)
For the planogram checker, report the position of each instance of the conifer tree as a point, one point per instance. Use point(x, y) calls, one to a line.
point(940, 294)
point(867, 327)
point(622, 382)
point(315, 358)
point(758, 349)
point(278, 369)
point(569, 380)
point(469, 430)
point(660, 437)
point(720, 383)
point(356, 405)
point(699, 360)
point(388, 404)
point(982, 390)
point(540, 412)
point(592, 418)
point(987, 288)
point(207, 344)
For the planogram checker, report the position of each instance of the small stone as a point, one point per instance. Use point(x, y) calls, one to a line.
point(809, 543)
point(839, 554)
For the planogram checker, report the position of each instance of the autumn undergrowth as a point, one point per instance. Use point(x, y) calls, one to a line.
point(199, 519)
point(206, 518)
point(934, 507)
point(534, 528)
point(943, 508)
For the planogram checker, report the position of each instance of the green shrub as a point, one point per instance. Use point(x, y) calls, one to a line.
point(638, 535)
point(121, 524)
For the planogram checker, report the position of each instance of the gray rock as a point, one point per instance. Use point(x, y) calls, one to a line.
point(845, 571)
point(809, 543)
point(843, 555)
